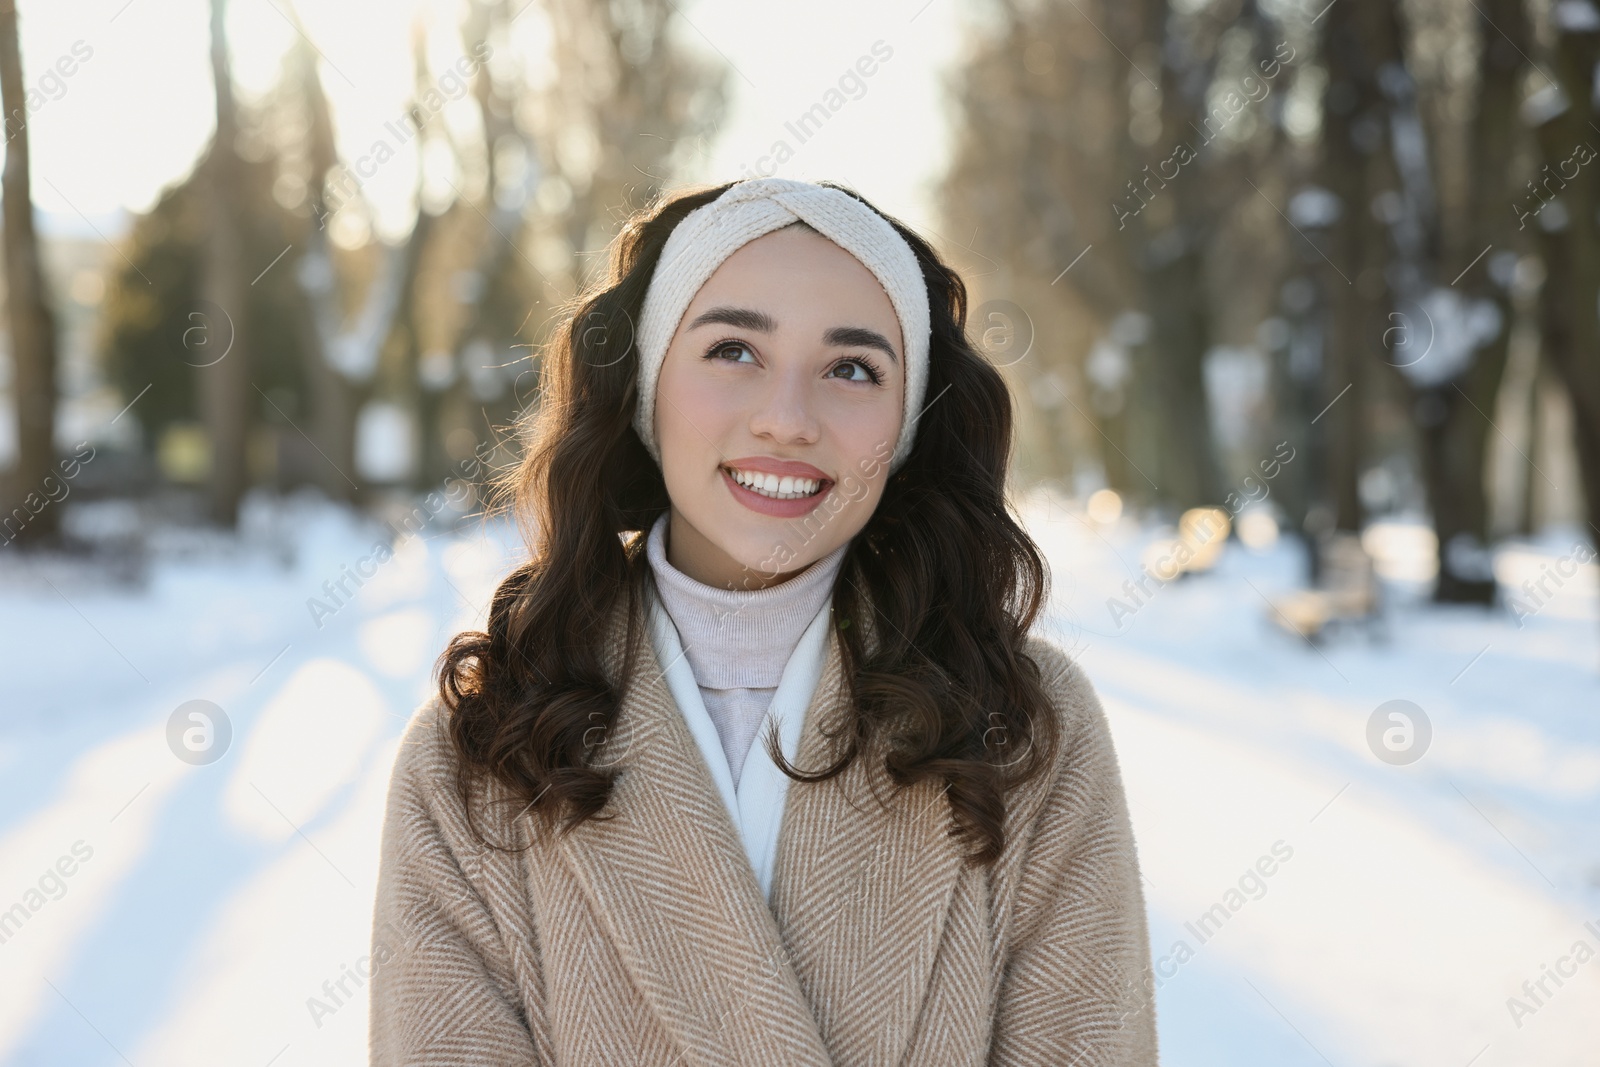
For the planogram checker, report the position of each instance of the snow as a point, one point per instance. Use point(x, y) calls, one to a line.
point(1419, 898)
point(222, 902)
point(1314, 206)
point(385, 442)
point(1575, 16)
point(1450, 329)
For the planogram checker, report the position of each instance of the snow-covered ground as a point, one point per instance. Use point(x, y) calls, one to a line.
point(204, 913)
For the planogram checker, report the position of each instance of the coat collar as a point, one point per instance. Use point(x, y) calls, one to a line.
point(836, 969)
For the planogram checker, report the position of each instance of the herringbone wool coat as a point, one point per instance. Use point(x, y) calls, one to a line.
point(645, 940)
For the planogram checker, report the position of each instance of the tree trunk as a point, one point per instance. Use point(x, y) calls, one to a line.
point(1355, 121)
point(29, 517)
point(344, 351)
point(1173, 232)
point(1456, 449)
point(1570, 325)
point(225, 376)
point(1525, 522)
point(334, 402)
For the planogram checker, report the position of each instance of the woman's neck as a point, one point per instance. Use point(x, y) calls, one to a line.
point(736, 638)
point(694, 554)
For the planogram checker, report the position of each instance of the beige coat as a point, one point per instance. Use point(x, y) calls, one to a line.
point(645, 940)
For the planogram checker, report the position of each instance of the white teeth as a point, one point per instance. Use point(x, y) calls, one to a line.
point(786, 488)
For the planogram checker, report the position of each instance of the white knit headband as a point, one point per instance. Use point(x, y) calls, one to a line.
point(747, 210)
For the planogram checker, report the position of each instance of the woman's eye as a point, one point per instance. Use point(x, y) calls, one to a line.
point(720, 351)
point(868, 372)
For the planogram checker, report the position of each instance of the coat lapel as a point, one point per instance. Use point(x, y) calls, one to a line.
point(862, 889)
point(836, 970)
point(668, 878)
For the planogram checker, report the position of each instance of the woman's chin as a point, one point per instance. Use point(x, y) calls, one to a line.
point(763, 554)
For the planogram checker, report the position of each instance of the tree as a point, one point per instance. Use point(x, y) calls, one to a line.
point(1454, 416)
point(626, 104)
point(1105, 143)
point(224, 370)
point(1565, 203)
point(342, 350)
point(1359, 39)
point(1029, 191)
point(27, 518)
point(151, 333)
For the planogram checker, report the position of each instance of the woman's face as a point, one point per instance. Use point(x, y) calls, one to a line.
point(788, 366)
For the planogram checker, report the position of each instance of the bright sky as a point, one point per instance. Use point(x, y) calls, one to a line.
point(132, 116)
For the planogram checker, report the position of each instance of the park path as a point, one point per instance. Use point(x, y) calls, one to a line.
point(223, 908)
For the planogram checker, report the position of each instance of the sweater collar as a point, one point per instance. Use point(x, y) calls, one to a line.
point(739, 638)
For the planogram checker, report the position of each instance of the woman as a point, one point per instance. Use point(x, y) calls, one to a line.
point(758, 761)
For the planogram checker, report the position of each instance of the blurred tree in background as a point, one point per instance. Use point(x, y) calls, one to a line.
point(1564, 196)
point(1235, 223)
point(25, 495)
point(419, 346)
point(1337, 260)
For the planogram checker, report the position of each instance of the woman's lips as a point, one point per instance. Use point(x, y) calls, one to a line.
point(766, 505)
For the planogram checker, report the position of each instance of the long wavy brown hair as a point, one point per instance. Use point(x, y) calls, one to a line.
point(943, 690)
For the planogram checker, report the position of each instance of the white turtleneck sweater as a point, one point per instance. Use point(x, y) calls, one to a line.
point(738, 641)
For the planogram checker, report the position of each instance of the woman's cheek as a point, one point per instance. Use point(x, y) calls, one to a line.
point(854, 489)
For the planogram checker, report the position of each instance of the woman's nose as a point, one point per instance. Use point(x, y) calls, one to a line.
point(786, 410)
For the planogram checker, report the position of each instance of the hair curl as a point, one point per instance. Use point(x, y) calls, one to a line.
point(953, 581)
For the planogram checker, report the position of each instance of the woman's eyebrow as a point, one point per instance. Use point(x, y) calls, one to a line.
point(761, 322)
point(859, 337)
point(741, 318)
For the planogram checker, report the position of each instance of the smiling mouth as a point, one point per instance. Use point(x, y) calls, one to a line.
point(774, 487)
